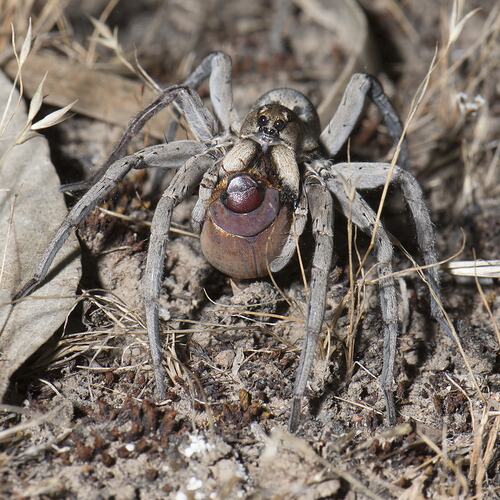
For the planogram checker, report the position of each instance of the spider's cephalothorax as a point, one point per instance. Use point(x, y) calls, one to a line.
point(272, 125)
point(257, 183)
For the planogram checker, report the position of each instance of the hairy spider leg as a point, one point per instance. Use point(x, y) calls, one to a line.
point(184, 181)
point(364, 217)
point(321, 205)
point(217, 67)
point(350, 108)
point(373, 176)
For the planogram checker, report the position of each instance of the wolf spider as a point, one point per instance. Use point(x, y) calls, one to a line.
point(257, 182)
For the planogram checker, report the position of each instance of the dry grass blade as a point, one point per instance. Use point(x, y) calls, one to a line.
point(36, 100)
point(477, 268)
point(53, 118)
point(416, 268)
point(25, 48)
point(128, 218)
point(301, 262)
point(91, 52)
point(114, 99)
point(482, 455)
point(4, 121)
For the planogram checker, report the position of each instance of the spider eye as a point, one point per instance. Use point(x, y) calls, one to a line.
point(279, 125)
point(262, 120)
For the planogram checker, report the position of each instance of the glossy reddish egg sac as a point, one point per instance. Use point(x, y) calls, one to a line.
point(244, 257)
point(243, 194)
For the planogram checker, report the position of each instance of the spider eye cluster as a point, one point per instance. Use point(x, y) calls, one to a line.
point(270, 127)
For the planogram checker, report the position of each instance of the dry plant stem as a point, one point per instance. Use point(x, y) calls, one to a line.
point(20, 60)
point(489, 452)
point(127, 218)
point(491, 27)
point(416, 268)
point(359, 405)
point(91, 52)
point(301, 263)
point(476, 459)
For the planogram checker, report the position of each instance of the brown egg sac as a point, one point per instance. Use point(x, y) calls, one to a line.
point(245, 229)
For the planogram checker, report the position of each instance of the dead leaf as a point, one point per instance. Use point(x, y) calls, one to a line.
point(107, 97)
point(31, 209)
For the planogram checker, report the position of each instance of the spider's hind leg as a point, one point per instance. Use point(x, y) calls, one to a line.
point(374, 175)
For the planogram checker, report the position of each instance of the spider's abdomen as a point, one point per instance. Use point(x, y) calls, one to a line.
point(245, 229)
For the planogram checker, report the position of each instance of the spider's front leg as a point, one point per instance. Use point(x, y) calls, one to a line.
point(182, 184)
point(350, 108)
point(321, 206)
point(217, 66)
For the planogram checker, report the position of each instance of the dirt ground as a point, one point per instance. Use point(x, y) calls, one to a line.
point(232, 349)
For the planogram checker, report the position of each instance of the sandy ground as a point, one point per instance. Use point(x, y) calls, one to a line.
point(221, 432)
